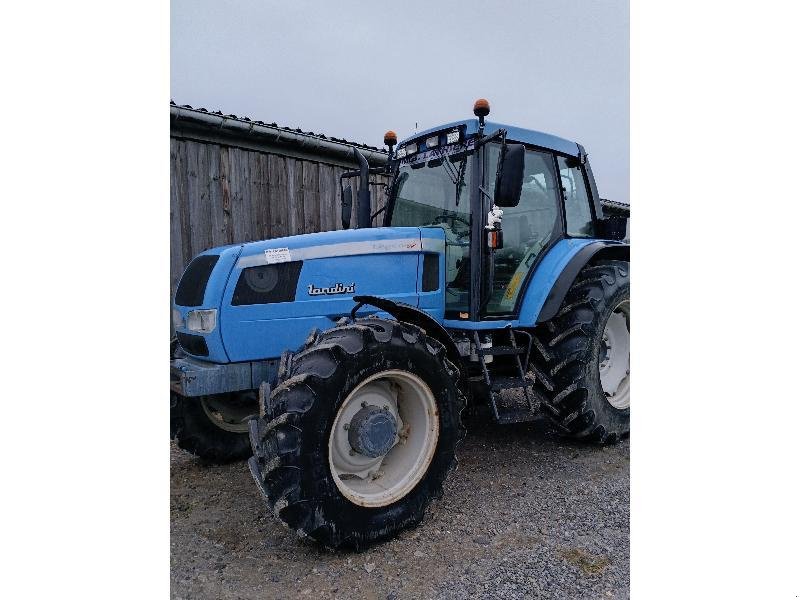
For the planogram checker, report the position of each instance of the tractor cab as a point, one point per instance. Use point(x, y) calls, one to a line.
point(452, 177)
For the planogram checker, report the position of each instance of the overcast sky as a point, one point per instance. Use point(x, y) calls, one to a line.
point(355, 69)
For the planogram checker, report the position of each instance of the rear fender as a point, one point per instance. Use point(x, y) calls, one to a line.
point(599, 250)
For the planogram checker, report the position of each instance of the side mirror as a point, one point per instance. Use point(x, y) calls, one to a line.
point(347, 206)
point(510, 171)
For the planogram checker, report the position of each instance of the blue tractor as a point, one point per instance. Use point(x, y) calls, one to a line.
point(340, 362)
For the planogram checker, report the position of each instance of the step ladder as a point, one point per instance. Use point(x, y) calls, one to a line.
point(523, 381)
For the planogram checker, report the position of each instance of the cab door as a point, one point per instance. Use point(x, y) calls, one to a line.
point(528, 229)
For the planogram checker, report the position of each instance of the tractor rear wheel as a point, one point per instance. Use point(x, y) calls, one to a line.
point(585, 351)
point(360, 433)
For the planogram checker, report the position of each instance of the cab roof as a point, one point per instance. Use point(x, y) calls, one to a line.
point(515, 134)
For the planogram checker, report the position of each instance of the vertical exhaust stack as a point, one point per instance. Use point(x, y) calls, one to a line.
point(364, 212)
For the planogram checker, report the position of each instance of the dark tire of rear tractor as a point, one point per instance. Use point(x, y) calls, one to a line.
point(569, 350)
point(193, 430)
point(290, 460)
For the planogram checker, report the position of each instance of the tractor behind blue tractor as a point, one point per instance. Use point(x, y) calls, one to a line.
point(340, 362)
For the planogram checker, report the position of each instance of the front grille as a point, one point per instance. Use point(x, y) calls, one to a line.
point(192, 287)
point(267, 284)
point(193, 344)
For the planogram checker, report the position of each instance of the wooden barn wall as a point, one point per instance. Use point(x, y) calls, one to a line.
point(223, 195)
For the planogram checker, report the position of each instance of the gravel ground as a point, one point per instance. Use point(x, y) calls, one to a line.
point(525, 515)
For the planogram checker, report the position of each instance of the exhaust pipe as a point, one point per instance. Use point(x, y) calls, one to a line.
point(364, 211)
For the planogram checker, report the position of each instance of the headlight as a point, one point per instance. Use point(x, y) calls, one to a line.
point(432, 142)
point(453, 136)
point(203, 321)
point(401, 153)
point(177, 319)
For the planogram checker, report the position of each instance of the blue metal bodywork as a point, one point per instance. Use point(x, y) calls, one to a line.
point(384, 262)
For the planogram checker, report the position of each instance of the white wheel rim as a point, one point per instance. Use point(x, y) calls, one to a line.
point(228, 415)
point(615, 357)
point(383, 480)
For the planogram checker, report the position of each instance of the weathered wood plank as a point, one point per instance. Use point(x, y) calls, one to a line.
point(297, 204)
point(262, 201)
point(197, 193)
point(177, 262)
point(327, 189)
point(311, 217)
point(337, 198)
point(204, 186)
point(248, 214)
point(294, 181)
point(255, 196)
point(183, 201)
point(279, 204)
point(225, 185)
point(239, 214)
point(220, 218)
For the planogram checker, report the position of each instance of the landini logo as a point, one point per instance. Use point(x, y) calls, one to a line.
point(338, 288)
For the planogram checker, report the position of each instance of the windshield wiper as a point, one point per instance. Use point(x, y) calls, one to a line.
point(449, 169)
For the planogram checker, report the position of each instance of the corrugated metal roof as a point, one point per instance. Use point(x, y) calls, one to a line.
point(275, 125)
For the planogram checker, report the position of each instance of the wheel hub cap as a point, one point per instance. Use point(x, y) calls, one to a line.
point(372, 431)
point(383, 438)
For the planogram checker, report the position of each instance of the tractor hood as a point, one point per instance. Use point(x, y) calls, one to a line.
point(271, 294)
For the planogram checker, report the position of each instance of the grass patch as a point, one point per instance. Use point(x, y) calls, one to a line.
point(591, 565)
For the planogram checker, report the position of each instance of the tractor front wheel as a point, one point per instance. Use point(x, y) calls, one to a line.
point(360, 433)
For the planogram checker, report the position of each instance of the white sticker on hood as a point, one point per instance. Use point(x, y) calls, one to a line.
point(277, 255)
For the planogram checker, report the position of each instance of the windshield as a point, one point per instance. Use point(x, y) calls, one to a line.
point(433, 192)
point(430, 190)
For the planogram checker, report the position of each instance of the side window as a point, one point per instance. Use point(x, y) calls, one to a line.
point(576, 200)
